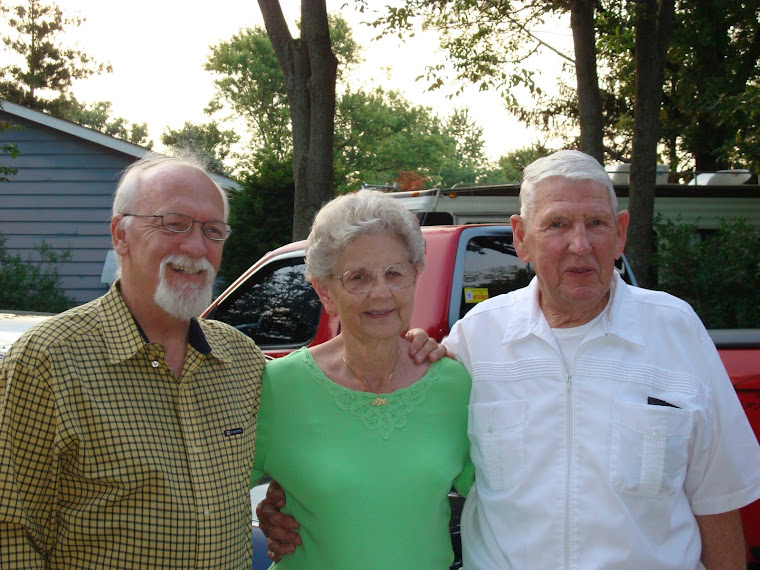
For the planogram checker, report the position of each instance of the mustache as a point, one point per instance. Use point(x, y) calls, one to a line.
point(192, 264)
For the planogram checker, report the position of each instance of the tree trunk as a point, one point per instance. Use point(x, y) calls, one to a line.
point(310, 70)
point(654, 23)
point(321, 84)
point(589, 97)
point(709, 156)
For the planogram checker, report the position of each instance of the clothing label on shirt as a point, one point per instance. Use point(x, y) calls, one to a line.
point(234, 431)
point(475, 294)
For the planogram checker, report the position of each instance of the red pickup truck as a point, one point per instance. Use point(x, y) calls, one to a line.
point(273, 304)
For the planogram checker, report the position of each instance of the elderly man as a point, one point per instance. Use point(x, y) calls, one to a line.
point(126, 424)
point(604, 430)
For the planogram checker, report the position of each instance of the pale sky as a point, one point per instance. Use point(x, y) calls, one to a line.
point(157, 49)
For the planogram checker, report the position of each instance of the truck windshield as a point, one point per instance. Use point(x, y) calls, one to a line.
point(277, 307)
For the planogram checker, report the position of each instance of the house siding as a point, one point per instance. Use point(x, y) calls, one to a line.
point(61, 195)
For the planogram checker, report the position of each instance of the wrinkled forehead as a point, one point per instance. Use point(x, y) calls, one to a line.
point(558, 192)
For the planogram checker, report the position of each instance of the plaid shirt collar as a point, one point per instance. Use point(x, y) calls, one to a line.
point(124, 337)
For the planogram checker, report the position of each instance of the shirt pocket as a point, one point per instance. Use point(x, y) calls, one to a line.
point(497, 443)
point(650, 449)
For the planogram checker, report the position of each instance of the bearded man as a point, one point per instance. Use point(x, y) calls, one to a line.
point(127, 424)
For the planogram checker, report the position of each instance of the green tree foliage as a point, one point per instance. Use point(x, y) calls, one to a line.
point(206, 140)
point(465, 162)
point(379, 134)
point(33, 285)
point(712, 83)
point(261, 215)
point(48, 67)
point(510, 166)
point(711, 101)
point(719, 276)
point(43, 69)
point(97, 116)
point(251, 85)
point(740, 116)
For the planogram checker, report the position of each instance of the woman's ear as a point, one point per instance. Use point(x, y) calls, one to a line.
point(320, 286)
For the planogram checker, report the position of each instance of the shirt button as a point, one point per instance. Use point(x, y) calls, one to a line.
point(195, 449)
point(154, 364)
point(207, 512)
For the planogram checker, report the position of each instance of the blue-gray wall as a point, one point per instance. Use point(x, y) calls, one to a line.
point(62, 194)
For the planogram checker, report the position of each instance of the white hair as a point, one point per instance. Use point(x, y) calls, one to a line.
point(363, 212)
point(572, 165)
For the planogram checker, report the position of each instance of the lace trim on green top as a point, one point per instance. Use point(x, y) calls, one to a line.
point(385, 418)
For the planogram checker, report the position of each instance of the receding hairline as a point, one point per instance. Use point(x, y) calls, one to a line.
point(136, 181)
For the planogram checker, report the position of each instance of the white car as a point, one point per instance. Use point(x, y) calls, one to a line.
point(13, 325)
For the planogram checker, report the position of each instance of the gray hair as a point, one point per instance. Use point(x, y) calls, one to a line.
point(571, 165)
point(127, 194)
point(348, 216)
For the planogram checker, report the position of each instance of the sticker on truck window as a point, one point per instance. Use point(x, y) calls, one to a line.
point(475, 294)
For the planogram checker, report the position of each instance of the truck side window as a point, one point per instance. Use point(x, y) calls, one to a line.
point(276, 306)
point(491, 267)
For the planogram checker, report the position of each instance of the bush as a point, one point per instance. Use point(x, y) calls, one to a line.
point(33, 285)
point(719, 275)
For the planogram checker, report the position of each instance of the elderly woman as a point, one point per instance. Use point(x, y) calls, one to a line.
point(365, 442)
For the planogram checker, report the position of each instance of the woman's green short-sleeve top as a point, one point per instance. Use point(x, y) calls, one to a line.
point(368, 484)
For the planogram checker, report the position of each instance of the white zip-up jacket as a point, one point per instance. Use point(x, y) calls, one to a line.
point(606, 464)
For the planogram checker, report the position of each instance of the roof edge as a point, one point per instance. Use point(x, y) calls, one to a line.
point(93, 136)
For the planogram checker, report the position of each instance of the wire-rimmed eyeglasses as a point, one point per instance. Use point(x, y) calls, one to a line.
point(362, 280)
point(181, 224)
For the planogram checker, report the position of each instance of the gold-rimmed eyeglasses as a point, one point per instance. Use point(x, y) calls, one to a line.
point(362, 280)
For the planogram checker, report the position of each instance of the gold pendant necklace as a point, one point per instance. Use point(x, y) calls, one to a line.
point(379, 400)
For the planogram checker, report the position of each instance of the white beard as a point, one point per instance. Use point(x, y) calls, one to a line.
point(188, 300)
